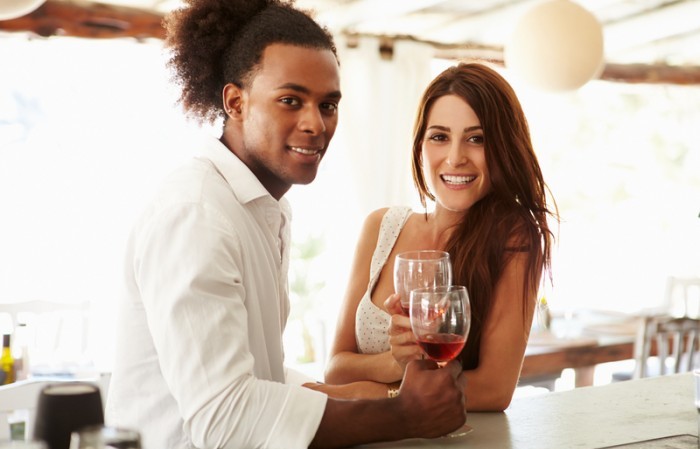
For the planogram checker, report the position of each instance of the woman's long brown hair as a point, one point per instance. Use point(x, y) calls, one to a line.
point(512, 217)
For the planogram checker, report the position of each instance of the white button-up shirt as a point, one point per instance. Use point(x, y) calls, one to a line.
point(199, 350)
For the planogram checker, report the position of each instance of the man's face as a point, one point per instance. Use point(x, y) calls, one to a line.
point(288, 115)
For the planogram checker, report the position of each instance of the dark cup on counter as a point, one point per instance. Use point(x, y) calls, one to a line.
point(65, 407)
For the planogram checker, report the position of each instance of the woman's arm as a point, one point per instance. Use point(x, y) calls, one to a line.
point(491, 385)
point(363, 389)
point(346, 364)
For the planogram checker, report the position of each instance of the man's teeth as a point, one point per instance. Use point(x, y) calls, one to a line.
point(451, 179)
point(308, 151)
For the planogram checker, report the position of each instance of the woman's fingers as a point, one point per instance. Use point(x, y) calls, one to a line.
point(402, 339)
point(399, 325)
point(393, 304)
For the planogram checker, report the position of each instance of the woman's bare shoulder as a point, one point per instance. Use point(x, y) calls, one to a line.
point(370, 227)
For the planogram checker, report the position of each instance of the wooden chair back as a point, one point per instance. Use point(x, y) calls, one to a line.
point(674, 341)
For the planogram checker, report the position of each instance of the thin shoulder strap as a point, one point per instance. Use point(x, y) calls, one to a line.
point(393, 221)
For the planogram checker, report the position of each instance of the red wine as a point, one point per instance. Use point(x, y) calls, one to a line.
point(442, 347)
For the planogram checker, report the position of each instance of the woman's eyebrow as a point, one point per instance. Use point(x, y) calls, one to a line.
point(447, 128)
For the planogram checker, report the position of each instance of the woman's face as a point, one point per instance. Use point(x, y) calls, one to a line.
point(454, 160)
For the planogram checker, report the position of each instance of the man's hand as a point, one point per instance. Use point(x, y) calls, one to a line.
point(430, 404)
point(432, 398)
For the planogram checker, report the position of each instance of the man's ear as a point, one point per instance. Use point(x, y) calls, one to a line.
point(232, 97)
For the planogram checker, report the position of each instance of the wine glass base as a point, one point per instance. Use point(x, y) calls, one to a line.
point(462, 431)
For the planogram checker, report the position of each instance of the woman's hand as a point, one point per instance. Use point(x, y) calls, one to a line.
point(355, 390)
point(403, 344)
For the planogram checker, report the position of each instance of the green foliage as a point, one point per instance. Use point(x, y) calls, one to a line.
point(304, 285)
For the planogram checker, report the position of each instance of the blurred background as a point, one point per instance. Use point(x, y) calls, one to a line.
point(89, 125)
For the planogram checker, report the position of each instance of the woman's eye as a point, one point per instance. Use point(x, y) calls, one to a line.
point(478, 139)
point(437, 137)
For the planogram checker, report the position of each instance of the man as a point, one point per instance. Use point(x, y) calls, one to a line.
point(200, 358)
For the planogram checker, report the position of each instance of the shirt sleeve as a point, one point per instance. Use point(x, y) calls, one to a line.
point(188, 267)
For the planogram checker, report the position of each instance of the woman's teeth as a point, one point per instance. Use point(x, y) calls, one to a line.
point(452, 179)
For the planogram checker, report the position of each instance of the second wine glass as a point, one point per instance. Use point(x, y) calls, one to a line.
point(440, 320)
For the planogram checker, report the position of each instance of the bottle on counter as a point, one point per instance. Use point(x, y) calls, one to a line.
point(20, 351)
point(7, 363)
point(544, 315)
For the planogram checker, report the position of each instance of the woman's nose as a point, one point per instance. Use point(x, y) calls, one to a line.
point(456, 157)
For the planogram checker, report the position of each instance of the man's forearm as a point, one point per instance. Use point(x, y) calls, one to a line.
point(430, 403)
point(351, 422)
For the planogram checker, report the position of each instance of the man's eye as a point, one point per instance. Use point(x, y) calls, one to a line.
point(330, 107)
point(291, 101)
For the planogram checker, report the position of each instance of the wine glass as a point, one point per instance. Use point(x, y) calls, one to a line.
point(440, 320)
point(420, 269)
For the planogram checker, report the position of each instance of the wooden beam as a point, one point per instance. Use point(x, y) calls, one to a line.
point(652, 74)
point(95, 20)
point(92, 20)
point(622, 73)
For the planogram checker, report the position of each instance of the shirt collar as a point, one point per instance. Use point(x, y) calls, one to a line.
point(243, 182)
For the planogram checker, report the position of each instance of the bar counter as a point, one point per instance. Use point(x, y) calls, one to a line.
point(653, 412)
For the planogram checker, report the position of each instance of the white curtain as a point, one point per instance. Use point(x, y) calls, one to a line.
point(380, 100)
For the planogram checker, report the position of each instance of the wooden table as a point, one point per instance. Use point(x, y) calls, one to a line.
point(631, 414)
point(542, 361)
point(547, 356)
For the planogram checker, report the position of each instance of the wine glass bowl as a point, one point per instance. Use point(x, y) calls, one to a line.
point(420, 269)
point(440, 320)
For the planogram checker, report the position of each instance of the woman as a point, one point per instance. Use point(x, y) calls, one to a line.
point(473, 157)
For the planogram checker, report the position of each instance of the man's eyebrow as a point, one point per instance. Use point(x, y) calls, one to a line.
point(305, 90)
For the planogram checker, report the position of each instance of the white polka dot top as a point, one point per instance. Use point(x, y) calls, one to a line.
point(371, 322)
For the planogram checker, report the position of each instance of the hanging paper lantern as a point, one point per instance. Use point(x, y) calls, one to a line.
point(11, 9)
point(557, 45)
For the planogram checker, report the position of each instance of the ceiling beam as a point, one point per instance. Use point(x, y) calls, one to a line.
point(620, 73)
point(63, 18)
point(94, 20)
point(652, 74)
